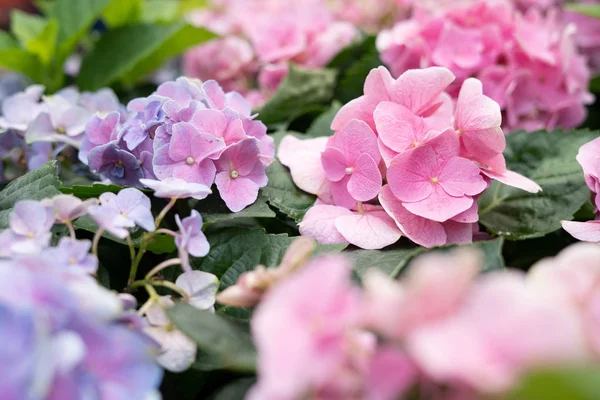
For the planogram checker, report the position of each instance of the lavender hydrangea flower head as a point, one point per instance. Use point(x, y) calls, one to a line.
point(142, 127)
point(74, 255)
point(98, 131)
point(30, 224)
point(68, 208)
point(117, 164)
point(20, 109)
point(132, 205)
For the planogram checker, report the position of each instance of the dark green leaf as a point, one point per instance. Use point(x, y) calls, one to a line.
point(391, 261)
point(213, 210)
point(130, 52)
point(563, 384)
point(301, 89)
point(74, 19)
point(354, 64)
point(236, 390)
point(90, 191)
point(216, 336)
point(492, 254)
point(549, 159)
point(35, 185)
point(321, 126)
point(282, 193)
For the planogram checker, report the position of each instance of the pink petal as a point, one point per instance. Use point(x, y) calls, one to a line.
point(303, 158)
point(241, 157)
point(237, 193)
point(513, 179)
point(365, 181)
point(586, 231)
point(340, 195)
point(319, 223)
point(180, 147)
point(398, 128)
point(410, 172)
point(205, 145)
point(371, 230)
point(460, 176)
point(356, 138)
point(469, 216)
point(440, 206)
point(215, 96)
point(422, 231)
point(163, 164)
point(334, 163)
point(212, 122)
point(418, 90)
point(486, 143)
point(360, 108)
point(378, 83)
point(458, 233)
point(203, 173)
point(446, 144)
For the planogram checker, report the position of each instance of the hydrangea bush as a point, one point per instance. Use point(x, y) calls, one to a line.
point(328, 201)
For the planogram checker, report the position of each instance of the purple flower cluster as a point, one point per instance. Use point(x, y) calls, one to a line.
point(35, 128)
point(186, 130)
point(64, 335)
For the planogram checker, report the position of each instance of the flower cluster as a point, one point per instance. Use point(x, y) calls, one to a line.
point(186, 130)
point(442, 327)
point(261, 37)
point(587, 157)
point(529, 62)
point(435, 157)
point(35, 128)
point(58, 322)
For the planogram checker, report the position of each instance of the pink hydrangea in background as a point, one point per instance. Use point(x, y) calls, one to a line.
point(441, 326)
point(403, 161)
point(261, 37)
point(529, 61)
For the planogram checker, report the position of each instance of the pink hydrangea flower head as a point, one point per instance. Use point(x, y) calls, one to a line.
point(185, 157)
point(240, 174)
point(305, 348)
point(192, 239)
point(173, 187)
point(351, 160)
point(68, 208)
point(433, 182)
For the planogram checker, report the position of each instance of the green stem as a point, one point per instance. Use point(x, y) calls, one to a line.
point(173, 287)
point(161, 266)
point(71, 229)
point(131, 249)
point(164, 211)
point(96, 240)
point(136, 261)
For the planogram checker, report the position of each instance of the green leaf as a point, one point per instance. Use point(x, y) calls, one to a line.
point(492, 253)
point(216, 336)
point(391, 261)
point(15, 58)
point(321, 125)
point(354, 64)
point(123, 12)
point(235, 390)
point(549, 159)
point(591, 10)
point(130, 52)
point(213, 210)
point(74, 19)
point(282, 193)
point(35, 185)
point(90, 191)
point(561, 384)
point(169, 10)
point(299, 91)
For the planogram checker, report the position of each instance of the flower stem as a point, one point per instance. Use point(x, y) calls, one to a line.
point(96, 240)
point(69, 225)
point(164, 211)
point(161, 266)
point(173, 287)
point(131, 249)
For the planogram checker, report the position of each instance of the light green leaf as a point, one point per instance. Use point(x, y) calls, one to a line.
point(562, 384)
point(36, 185)
point(15, 58)
point(549, 159)
point(299, 91)
point(123, 12)
point(321, 125)
point(216, 336)
point(128, 53)
point(591, 10)
point(74, 19)
point(90, 191)
point(282, 193)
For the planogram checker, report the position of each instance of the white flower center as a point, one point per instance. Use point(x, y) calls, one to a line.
point(234, 174)
point(435, 180)
point(190, 161)
point(349, 171)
